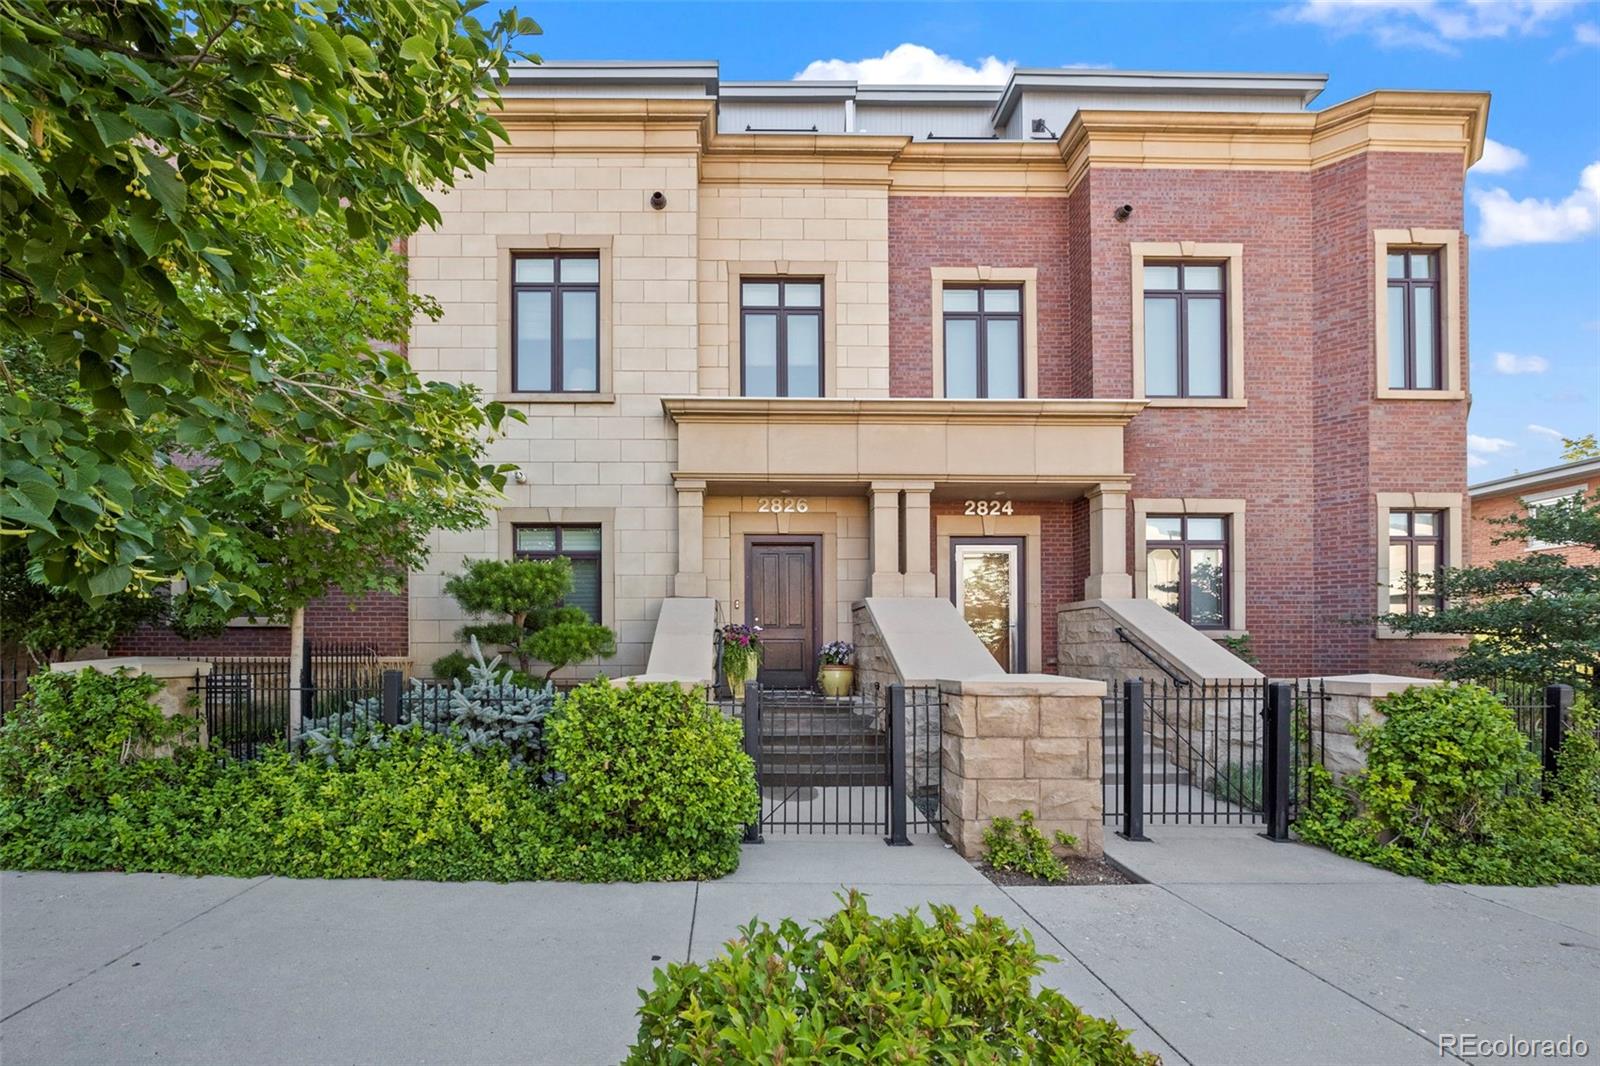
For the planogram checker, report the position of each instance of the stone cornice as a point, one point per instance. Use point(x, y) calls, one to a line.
point(905, 410)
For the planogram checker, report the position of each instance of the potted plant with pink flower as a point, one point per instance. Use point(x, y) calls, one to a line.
point(741, 656)
point(837, 675)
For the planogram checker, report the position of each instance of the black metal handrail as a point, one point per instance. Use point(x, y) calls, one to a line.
point(1139, 646)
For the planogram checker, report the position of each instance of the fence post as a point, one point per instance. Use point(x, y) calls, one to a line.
point(752, 748)
point(393, 682)
point(1275, 787)
point(897, 767)
point(1133, 760)
point(1557, 702)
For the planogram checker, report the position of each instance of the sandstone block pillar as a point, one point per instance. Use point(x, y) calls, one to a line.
point(1352, 701)
point(182, 683)
point(1022, 742)
point(919, 579)
point(691, 577)
point(1108, 544)
point(886, 577)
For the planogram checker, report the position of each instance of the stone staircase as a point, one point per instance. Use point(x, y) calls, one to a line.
point(1158, 768)
point(813, 741)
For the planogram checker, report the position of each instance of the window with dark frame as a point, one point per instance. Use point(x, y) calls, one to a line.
point(983, 342)
point(1415, 360)
point(1186, 567)
point(579, 545)
point(555, 322)
point(780, 336)
point(1185, 329)
point(1416, 555)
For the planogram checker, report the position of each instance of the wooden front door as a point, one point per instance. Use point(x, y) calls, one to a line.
point(782, 596)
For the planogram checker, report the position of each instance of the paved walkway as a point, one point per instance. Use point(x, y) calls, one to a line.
point(1240, 952)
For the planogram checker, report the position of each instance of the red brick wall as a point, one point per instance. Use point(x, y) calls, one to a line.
point(1311, 449)
point(378, 619)
point(930, 231)
point(1483, 531)
point(1056, 560)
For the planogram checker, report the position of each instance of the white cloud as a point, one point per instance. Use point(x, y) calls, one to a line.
point(1507, 363)
point(1504, 221)
point(1476, 460)
point(1546, 431)
point(1586, 33)
point(1488, 445)
point(909, 64)
point(1499, 158)
point(1436, 25)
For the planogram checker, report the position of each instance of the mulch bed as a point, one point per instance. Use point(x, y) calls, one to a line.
point(1080, 871)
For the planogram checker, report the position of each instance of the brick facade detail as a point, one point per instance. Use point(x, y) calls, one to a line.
point(377, 619)
point(1483, 530)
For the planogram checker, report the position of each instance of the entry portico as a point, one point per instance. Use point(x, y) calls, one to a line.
point(865, 477)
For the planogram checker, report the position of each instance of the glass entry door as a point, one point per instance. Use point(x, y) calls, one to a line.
point(986, 579)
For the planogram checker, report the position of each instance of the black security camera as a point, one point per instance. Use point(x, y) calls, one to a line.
point(1121, 214)
point(658, 200)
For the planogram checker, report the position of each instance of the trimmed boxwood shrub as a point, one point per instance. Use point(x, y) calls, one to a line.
point(78, 791)
point(861, 987)
point(1452, 792)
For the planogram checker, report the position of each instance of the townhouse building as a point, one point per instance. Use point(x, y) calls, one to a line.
point(1090, 335)
point(1500, 498)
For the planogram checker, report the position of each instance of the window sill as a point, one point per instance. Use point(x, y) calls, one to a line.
point(1420, 394)
point(1385, 633)
point(1220, 635)
point(554, 397)
point(1196, 401)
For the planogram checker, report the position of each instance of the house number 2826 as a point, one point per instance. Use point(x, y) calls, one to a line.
point(785, 504)
point(988, 507)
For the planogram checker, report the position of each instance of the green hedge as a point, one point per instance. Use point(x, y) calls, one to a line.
point(1452, 792)
point(80, 790)
point(865, 988)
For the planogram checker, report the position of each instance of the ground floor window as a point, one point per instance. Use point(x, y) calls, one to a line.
point(1186, 559)
point(579, 545)
point(1416, 554)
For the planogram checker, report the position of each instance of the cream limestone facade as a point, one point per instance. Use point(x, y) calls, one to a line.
point(676, 467)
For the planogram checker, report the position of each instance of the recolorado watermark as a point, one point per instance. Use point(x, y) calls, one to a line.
point(1472, 1045)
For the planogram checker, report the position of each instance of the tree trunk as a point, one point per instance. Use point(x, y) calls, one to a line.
point(297, 666)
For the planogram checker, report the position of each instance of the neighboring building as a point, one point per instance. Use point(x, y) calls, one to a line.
point(1092, 334)
point(1521, 493)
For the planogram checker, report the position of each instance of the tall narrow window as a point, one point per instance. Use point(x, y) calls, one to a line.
point(1416, 555)
point(580, 546)
point(1413, 312)
point(1185, 330)
point(1186, 565)
point(983, 341)
point(555, 322)
point(780, 340)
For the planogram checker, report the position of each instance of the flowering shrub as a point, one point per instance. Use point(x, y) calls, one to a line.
point(837, 653)
point(741, 653)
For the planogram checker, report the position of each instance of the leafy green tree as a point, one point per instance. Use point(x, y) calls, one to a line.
point(1534, 616)
point(164, 168)
point(47, 624)
point(522, 601)
point(1575, 449)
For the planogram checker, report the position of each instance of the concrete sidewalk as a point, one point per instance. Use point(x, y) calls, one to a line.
point(1240, 952)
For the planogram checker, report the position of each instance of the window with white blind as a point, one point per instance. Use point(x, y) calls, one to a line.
point(579, 545)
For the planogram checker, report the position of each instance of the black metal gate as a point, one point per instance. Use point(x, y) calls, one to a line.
point(1219, 753)
point(246, 699)
point(853, 764)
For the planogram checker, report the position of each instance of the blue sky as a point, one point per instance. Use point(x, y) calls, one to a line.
point(1535, 220)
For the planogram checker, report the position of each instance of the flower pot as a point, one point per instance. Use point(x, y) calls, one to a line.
point(836, 679)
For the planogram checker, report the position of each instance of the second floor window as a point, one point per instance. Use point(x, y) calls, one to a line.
point(555, 323)
point(1185, 330)
point(983, 341)
point(780, 337)
point(1416, 555)
point(1186, 567)
point(1413, 293)
point(580, 546)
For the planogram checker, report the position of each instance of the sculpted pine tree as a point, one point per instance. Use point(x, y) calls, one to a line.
point(521, 604)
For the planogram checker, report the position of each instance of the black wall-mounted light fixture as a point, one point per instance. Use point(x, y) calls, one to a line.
point(1121, 214)
point(658, 200)
point(1040, 128)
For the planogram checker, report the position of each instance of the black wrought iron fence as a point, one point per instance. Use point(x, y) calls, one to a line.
point(13, 683)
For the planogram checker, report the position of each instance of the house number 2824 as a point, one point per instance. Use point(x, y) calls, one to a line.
point(785, 504)
point(988, 507)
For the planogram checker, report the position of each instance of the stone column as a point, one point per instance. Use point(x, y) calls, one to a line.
point(691, 576)
point(1108, 544)
point(1352, 702)
point(886, 577)
point(1025, 742)
point(182, 684)
point(919, 579)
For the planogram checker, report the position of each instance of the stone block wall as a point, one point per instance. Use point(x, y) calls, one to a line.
point(1015, 743)
point(1352, 701)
